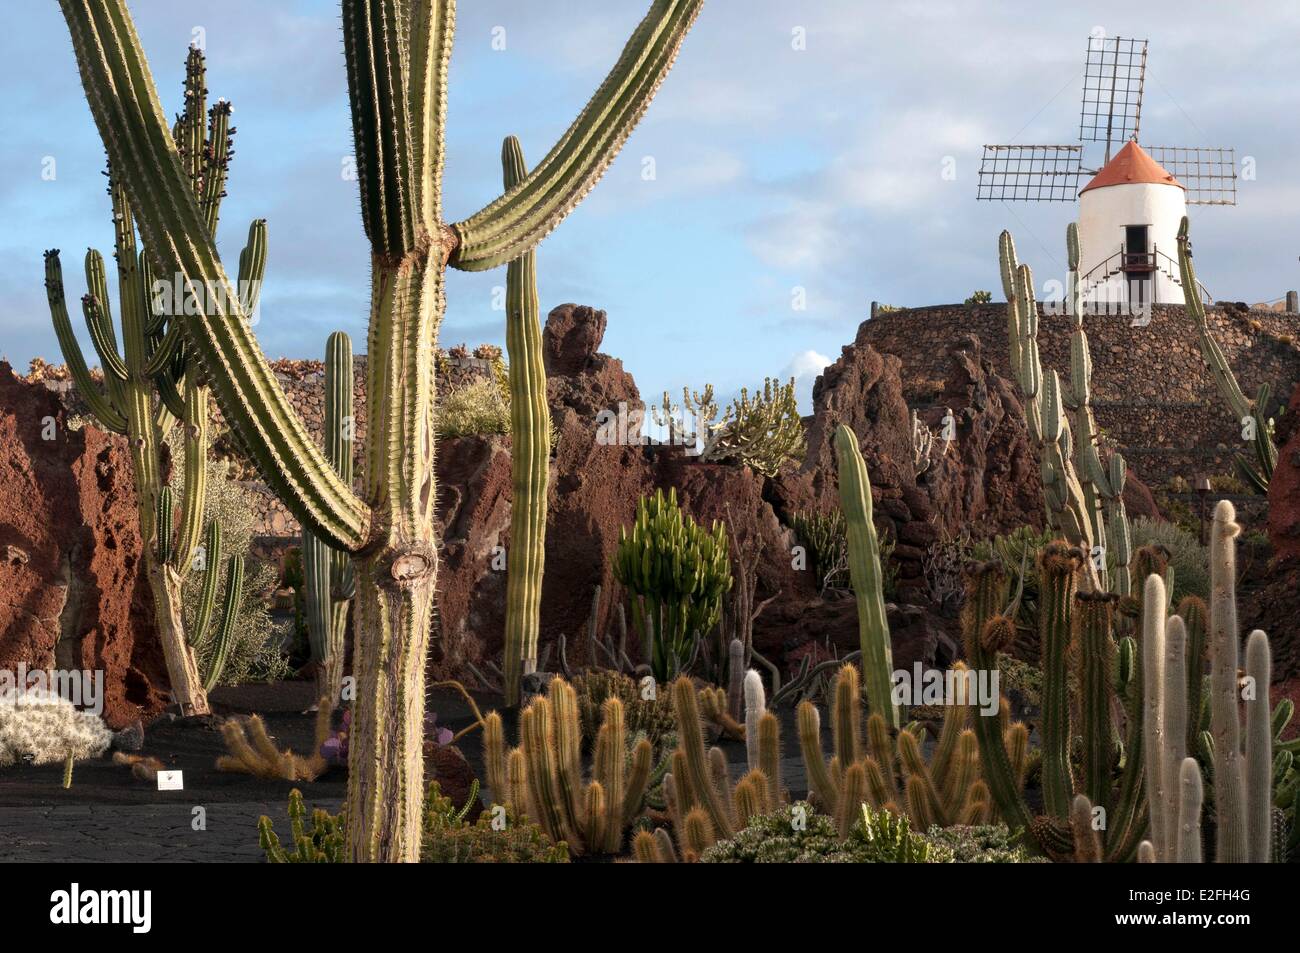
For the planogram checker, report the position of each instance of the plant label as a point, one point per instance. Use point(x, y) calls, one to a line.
point(170, 781)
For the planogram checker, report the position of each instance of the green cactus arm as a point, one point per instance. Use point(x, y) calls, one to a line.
point(1214, 357)
point(530, 441)
point(226, 630)
point(211, 575)
point(165, 351)
point(864, 569)
point(97, 323)
point(527, 213)
point(399, 112)
point(216, 161)
point(196, 473)
point(100, 404)
point(124, 103)
point(165, 507)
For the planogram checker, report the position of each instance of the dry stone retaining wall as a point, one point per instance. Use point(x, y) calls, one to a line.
point(1152, 394)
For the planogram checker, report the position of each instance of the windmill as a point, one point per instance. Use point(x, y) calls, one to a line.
point(1130, 209)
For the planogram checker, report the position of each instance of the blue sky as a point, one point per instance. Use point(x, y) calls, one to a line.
point(776, 168)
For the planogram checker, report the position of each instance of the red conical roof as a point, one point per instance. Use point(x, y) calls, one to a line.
point(1132, 165)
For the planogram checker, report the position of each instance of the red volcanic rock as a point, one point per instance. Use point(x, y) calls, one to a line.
point(571, 338)
point(71, 595)
point(1284, 486)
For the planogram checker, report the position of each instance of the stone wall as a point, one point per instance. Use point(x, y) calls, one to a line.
point(1152, 394)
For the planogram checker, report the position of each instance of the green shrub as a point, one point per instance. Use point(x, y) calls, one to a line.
point(652, 718)
point(980, 297)
point(1189, 559)
point(448, 839)
point(879, 838)
point(479, 407)
point(985, 844)
point(256, 653)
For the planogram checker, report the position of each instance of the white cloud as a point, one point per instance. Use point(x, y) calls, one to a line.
point(805, 367)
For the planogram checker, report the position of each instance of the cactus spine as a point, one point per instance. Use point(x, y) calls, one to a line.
point(153, 384)
point(327, 573)
point(864, 571)
point(530, 452)
point(397, 56)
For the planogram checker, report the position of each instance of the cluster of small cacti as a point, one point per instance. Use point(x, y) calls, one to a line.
point(543, 779)
point(676, 574)
point(762, 432)
point(324, 842)
point(250, 750)
point(1241, 774)
point(154, 384)
point(39, 727)
point(890, 771)
point(1250, 415)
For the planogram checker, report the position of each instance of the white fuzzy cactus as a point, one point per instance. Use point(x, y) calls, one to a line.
point(44, 728)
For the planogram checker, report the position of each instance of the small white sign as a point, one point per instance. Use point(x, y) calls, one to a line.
point(170, 781)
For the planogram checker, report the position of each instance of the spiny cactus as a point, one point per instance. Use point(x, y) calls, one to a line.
point(1084, 497)
point(325, 842)
point(1251, 416)
point(530, 452)
point(327, 573)
point(543, 777)
point(676, 573)
point(1059, 567)
point(252, 751)
point(397, 54)
point(866, 575)
point(761, 432)
point(153, 384)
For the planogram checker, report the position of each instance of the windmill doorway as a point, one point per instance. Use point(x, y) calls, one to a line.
point(1139, 264)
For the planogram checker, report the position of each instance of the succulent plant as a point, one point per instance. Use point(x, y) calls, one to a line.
point(676, 573)
point(397, 54)
point(153, 385)
point(1251, 416)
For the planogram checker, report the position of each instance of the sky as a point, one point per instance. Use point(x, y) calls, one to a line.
point(802, 160)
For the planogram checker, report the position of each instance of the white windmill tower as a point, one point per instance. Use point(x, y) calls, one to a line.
point(1130, 210)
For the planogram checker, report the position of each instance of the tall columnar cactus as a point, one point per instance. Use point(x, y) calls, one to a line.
point(1231, 843)
point(153, 384)
point(530, 452)
point(1251, 416)
point(866, 576)
point(1058, 580)
point(1259, 750)
point(397, 54)
point(1084, 497)
point(327, 572)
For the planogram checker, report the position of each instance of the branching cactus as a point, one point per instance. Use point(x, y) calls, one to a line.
point(866, 575)
point(397, 54)
point(1083, 495)
point(327, 572)
point(530, 452)
point(1251, 416)
point(152, 385)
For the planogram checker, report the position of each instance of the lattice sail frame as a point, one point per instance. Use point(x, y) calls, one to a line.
point(1114, 75)
point(1030, 173)
point(1208, 174)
